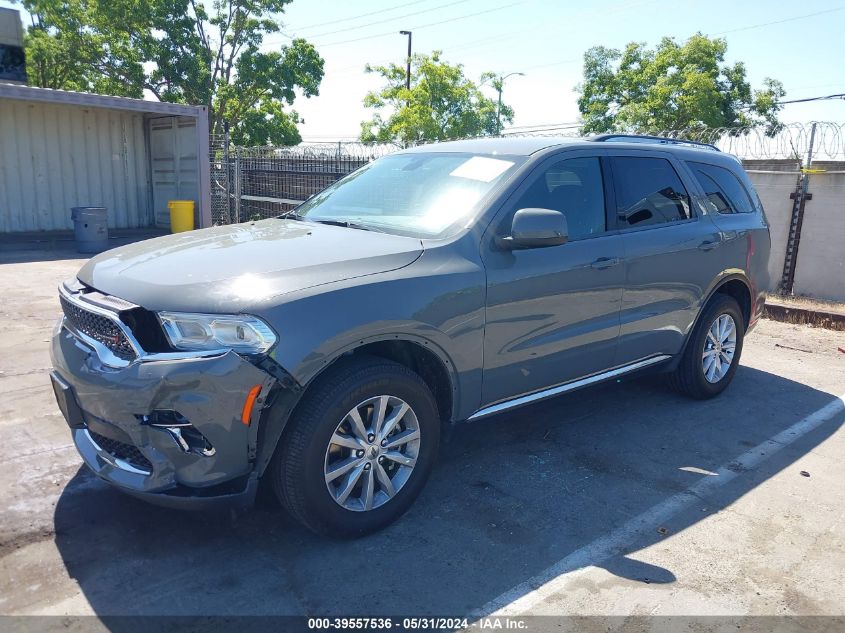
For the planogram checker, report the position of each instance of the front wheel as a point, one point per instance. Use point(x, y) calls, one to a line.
point(712, 353)
point(359, 448)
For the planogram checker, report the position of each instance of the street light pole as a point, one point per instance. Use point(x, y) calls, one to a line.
point(499, 86)
point(408, 68)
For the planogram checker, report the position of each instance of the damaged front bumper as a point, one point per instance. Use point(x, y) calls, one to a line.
point(177, 431)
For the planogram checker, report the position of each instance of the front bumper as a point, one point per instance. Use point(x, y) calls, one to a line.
point(110, 413)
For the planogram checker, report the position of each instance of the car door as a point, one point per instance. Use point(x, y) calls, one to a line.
point(670, 253)
point(552, 314)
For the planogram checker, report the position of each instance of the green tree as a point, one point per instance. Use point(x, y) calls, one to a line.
point(441, 104)
point(67, 48)
point(183, 51)
point(673, 86)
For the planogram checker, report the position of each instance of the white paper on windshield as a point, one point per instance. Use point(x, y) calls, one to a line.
point(481, 168)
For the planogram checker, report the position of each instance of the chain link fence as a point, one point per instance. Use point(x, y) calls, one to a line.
point(220, 168)
point(251, 183)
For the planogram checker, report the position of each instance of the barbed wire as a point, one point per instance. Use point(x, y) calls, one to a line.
point(323, 150)
point(789, 141)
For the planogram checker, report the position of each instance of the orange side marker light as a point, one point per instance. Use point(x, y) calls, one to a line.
point(246, 413)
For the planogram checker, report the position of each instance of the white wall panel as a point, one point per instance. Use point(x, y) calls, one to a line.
point(57, 156)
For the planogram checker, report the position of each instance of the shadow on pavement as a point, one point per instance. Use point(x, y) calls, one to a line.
point(510, 497)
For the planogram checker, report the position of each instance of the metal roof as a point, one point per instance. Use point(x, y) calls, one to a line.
point(49, 95)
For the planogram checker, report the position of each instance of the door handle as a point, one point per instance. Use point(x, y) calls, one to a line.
point(709, 245)
point(605, 262)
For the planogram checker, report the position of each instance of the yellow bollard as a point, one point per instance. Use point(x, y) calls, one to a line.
point(181, 215)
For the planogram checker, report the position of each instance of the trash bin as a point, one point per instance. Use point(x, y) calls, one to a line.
point(90, 228)
point(181, 215)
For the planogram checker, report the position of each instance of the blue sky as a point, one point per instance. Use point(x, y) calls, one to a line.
point(546, 40)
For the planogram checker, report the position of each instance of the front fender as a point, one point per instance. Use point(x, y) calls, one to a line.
point(438, 306)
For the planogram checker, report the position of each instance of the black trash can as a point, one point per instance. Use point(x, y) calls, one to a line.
point(90, 228)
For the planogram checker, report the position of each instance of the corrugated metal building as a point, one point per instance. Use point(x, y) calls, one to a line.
point(62, 149)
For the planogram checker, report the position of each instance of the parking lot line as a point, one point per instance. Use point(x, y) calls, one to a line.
point(521, 598)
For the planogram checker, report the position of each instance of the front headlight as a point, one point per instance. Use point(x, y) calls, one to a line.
point(238, 332)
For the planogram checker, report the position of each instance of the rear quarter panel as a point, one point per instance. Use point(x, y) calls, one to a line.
point(747, 243)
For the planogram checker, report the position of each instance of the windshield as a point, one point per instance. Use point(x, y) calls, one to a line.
point(421, 195)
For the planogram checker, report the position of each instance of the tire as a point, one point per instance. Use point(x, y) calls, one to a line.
point(308, 453)
point(690, 377)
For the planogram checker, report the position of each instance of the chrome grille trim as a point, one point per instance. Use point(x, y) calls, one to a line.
point(99, 327)
point(106, 355)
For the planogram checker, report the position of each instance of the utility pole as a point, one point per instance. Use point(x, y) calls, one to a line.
point(499, 84)
point(408, 67)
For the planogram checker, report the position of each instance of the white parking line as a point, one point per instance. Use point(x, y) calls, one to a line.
point(527, 594)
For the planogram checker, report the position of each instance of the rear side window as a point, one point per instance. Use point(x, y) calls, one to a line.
point(723, 191)
point(648, 192)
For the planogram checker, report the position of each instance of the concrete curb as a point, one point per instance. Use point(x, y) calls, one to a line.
point(793, 314)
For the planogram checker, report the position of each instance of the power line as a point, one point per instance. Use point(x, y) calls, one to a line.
point(423, 26)
point(546, 126)
point(394, 18)
point(792, 19)
point(556, 128)
point(840, 95)
point(510, 35)
point(361, 15)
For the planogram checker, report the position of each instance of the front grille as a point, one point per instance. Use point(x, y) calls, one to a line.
point(100, 328)
point(126, 452)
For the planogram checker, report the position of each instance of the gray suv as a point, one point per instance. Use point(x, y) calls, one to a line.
point(323, 351)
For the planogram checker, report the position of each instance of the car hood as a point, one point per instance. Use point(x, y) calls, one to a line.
point(232, 268)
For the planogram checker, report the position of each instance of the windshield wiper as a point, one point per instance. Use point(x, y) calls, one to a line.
point(290, 215)
point(345, 223)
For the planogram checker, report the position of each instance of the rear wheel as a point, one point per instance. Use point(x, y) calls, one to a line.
point(359, 448)
point(712, 354)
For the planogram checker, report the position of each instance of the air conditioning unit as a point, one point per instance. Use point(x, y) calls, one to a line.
point(12, 58)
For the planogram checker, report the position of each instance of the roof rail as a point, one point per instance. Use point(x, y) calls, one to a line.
point(644, 138)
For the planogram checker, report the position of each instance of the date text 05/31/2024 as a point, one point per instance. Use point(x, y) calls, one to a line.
point(424, 623)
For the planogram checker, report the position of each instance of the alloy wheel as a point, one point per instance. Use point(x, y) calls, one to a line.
point(719, 348)
point(372, 453)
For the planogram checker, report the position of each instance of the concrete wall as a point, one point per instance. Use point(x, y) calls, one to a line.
point(774, 190)
point(820, 268)
point(820, 271)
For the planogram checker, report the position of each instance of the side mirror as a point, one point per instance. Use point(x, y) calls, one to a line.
point(535, 228)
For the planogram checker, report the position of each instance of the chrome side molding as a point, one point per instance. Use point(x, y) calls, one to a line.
point(566, 387)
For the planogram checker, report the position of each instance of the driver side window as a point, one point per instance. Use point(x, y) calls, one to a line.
point(574, 187)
